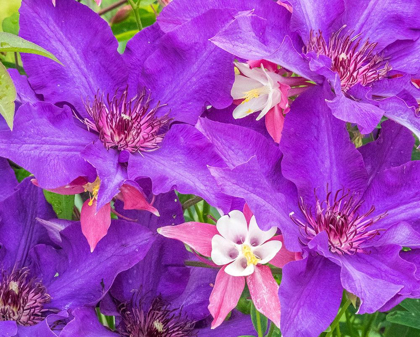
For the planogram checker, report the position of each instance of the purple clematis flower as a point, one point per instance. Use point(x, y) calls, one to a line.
point(170, 301)
point(348, 211)
point(365, 51)
point(45, 274)
point(101, 120)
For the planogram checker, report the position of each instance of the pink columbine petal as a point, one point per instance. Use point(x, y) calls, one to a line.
point(98, 2)
point(274, 121)
point(75, 187)
point(264, 293)
point(135, 199)
point(283, 256)
point(257, 236)
point(197, 235)
point(95, 223)
point(225, 295)
point(248, 213)
point(233, 226)
point(270, 66)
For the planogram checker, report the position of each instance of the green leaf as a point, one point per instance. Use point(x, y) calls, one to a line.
point(406, 318)
point(62, 204)
point(21, 174)
point(8, 7)
point(11, 24)
point(412, 305)
point(259, 321)
point(7, 96)
point(14, 43)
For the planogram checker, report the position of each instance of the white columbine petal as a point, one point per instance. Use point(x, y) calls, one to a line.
point(233, 227)
point(242, 85)
point(239, 267)
point(223, 251)
point(246, 108)
point(256, 236)
point(266, 252)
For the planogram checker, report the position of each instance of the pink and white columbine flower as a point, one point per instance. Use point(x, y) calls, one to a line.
point(264, 87)
point(242, 249)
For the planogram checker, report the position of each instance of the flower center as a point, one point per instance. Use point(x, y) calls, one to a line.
point(93, 189)
point(249, 255)
point(22, 299)
point(354, 61)
point(339, 217)
point(254, 93)
point(125, 124)
point(158, 321)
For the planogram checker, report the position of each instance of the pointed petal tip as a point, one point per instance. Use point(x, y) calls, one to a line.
point(159, 230)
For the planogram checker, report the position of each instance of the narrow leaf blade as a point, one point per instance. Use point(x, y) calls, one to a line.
point(7, 96)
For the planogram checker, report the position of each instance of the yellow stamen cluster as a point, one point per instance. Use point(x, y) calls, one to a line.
point(249, 255)
point(93, 189)
point(251, 94)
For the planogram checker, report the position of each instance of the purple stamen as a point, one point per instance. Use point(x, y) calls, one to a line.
point(354, 62)
point(125, 124)
point(338, 216)
point(22, 298)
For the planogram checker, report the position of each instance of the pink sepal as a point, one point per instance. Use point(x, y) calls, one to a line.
point(204, 260)
point(286, 5)
point(274, 121)
point(284, 256)
point(95, 223)
point(197, 235)
point(225, 295)
point(270, 66)
point(75, 187)
point(248, 213)
point(264, 293)
point(135, 199)
point(98, 2)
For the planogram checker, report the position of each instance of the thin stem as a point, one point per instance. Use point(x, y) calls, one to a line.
point(271, 331)
point(191, 202)
point(113, 6)
point(259, 327)
point(338, 317)
point(135, 7)
point(349, 325)
point(366, 328)
point(16, 60)
point(198, 264)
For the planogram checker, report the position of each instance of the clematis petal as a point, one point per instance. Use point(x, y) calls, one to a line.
point(8, 180)
point(223, 251)
point(264, 293)
point(95, 223)
point(257, 236)
point(195, 234)
point(233, 227)
point(225, 295)
point(240, 267)
point(267, 251)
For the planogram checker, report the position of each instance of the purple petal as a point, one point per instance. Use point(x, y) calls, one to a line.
point(404, 56)
point(401, 234)
point(310, 295)
point(317, 150)
point(85, 277)
point(25, 93)
point(383, 22)
point(85, 323)
point(174, 71)
point(19, 228)
point(111, 173)
point(8, 180)
point(377, 276)
point(39, 330)
point(8, 328)
point(82, 42)
point(181, 163)
point(395, 192)
point(392, 148)
point(261, 192)
point(393, 86)
point(237, 325)
point(46, 142)
point(316, 16)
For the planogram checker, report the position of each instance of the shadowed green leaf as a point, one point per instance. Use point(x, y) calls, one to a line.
point(7, 96)
point(62, 204)
point(14, 43)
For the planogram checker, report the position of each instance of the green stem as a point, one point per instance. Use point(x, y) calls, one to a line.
point(338, 317)
point(271, 331)
point(349, 325)
point(135, 8)
point(367, 327)
point(259, 327)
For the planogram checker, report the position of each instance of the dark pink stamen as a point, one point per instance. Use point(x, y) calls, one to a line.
point(353, 61)
point(125, 124)
point(339, 217)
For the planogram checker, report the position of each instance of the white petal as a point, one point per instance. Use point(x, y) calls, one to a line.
point(267, 251)
point(242, 85)
point(256, 236)
point(254, 73)
point(239, 267)
point(233, 227)
point(246, 108)
point(223, 251)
